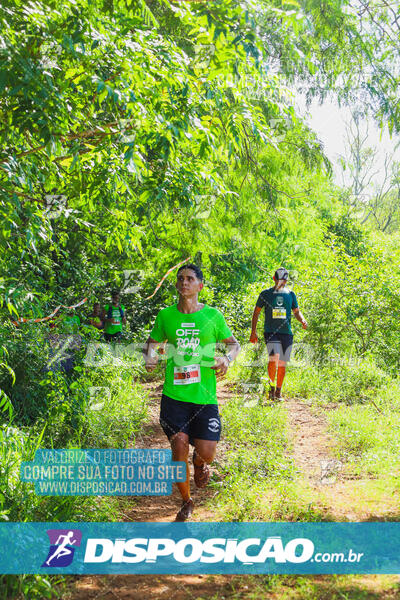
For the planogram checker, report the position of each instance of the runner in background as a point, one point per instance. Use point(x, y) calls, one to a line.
point(95, 317)
point(278, 303)
point(113, 317)
point(189, 407)
point(64, 341)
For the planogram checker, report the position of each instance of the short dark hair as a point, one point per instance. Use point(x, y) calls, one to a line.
point(115, 293)
point(193, 267)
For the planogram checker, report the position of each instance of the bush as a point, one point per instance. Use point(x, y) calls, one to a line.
point(350, 381)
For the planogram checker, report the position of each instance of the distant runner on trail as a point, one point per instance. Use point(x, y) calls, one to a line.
point(278, 303)
point(189, 407)
point(113, 317)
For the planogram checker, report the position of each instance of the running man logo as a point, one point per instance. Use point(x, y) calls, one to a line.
point(62, 542)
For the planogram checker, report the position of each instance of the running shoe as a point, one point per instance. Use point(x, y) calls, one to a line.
point(185, 511)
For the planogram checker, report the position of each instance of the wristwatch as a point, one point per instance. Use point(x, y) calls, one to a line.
point(230, 359)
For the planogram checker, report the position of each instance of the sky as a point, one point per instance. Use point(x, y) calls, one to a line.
point(329, 121)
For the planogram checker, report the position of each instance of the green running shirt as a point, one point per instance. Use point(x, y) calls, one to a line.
point(115, 314)
point(190, 353)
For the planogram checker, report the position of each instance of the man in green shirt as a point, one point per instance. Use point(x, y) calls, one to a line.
point(189, 407)
point(113, 317)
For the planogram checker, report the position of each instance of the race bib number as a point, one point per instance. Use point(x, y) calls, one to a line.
point(186, 375)
point(279, 313)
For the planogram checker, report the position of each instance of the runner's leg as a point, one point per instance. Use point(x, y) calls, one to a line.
point(273, 347)
point(203, 455)
point(180, 452)
point(272, 367)
point(287, 345)
point(281, 373)
point(205, 452)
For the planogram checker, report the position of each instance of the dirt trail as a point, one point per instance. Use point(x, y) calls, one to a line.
point(343, 496)
point(312, 446)
point(313, 452)
point(157, 509)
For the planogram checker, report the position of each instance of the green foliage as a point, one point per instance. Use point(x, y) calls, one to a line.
point(255, 457)
point(259, 479)
point(150, 119)
point(346, 379)
point(350, 235)
point(171, 132)
point(116, 421)
point(37, 587)
point(65, 414)
point(368, 435)
point(351, 305)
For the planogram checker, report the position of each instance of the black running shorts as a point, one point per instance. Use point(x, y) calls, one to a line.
point(109, 337)
point(198, 421)
point(279, 343)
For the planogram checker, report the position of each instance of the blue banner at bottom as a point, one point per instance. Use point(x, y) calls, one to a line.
point(200, 548)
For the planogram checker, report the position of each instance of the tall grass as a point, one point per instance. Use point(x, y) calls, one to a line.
point(366, 419)
point(258, 479)
point(89, 407)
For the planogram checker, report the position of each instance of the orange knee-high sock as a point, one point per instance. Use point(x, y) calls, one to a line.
point(281, 375)
point(272, 371)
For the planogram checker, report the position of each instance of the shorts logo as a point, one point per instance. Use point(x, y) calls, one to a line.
point(61, 550)
point(213, 425)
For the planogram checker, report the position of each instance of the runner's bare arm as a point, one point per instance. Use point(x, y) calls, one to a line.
point(150, 356)
point(95, 323)
point(222, 362)
point(254, 320)
point(299, 317)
